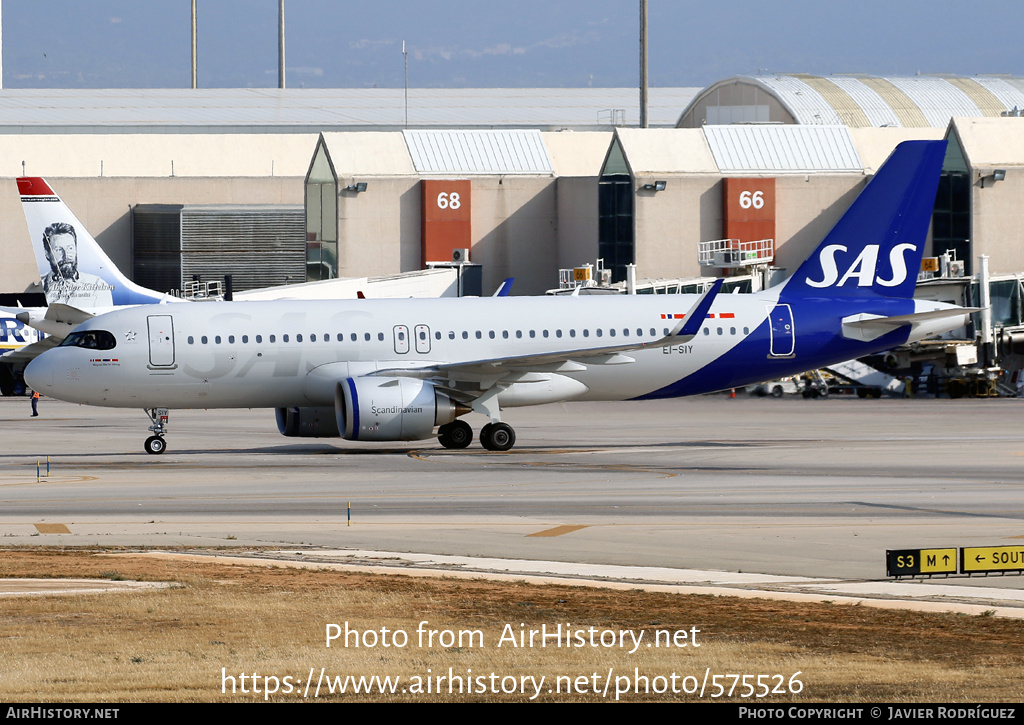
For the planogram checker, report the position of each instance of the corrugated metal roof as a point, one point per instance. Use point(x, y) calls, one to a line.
point(912, 101)
point(938, 99)
point(478, 152)
point(1009, 91)
point(805, 103)
point(903, 107)
point(849, 111)
point(331, 109)
point(782, 149)
point(877, 111)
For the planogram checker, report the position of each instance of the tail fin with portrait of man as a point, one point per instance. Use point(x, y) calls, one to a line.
point(73, 268)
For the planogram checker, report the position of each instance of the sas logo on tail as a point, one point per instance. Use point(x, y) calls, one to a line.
point(864, 267)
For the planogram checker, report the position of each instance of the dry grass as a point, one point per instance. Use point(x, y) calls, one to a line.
point(171, 644)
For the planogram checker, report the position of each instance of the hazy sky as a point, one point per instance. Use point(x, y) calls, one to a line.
point(466, 43)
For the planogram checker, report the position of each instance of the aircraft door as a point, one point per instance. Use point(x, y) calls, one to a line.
point(161, 340)
point(422, 339)
point(401, 339)
point(783, 338)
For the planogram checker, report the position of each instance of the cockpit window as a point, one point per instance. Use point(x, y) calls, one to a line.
point(91, 340)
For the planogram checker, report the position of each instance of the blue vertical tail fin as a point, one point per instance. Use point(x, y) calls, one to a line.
point(877, 245)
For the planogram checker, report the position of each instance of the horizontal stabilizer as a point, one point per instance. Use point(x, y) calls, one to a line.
point(867, 327)
point(57, 319)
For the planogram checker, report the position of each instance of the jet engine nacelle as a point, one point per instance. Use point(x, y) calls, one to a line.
point(307, 422)
point(390, 409)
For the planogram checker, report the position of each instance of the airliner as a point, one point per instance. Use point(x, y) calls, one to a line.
point(397, 370)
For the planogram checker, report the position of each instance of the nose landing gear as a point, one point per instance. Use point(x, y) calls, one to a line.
point(156, 444)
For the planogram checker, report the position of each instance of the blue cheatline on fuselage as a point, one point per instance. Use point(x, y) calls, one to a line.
point(816, 345)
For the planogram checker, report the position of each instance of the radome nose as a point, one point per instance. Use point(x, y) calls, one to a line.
point(39, 373)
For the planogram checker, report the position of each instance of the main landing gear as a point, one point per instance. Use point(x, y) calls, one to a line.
point(493, 436)
point(456, 434)
point(155, 444)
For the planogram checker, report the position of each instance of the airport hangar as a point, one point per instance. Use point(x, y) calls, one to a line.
point(278, 186)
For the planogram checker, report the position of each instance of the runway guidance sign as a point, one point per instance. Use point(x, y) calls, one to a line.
point(966, 560)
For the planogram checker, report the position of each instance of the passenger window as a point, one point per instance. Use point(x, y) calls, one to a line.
point(231, 339)
point(366, 336)
point(284, 338)
point(245, 339)
point(259, 338)
point(491, 334)
point(719, 330)
point(203, 339)
point(504, 334)
point(732, 330)
point(746, 330)
point(572, 333)
point(380, 336)
point(191, 340)
point(707, 331)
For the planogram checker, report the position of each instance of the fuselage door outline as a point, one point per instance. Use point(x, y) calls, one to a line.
point(422, 339)
point(783, 334)
point(161, 341)
point(401, 339)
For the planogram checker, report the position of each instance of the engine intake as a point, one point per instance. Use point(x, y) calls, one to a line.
point(391, 409)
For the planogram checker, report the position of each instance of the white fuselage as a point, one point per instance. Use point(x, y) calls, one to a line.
point(280, 354)
point(276, 354)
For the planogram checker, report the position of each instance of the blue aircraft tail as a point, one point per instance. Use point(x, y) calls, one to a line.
point(877, 246)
